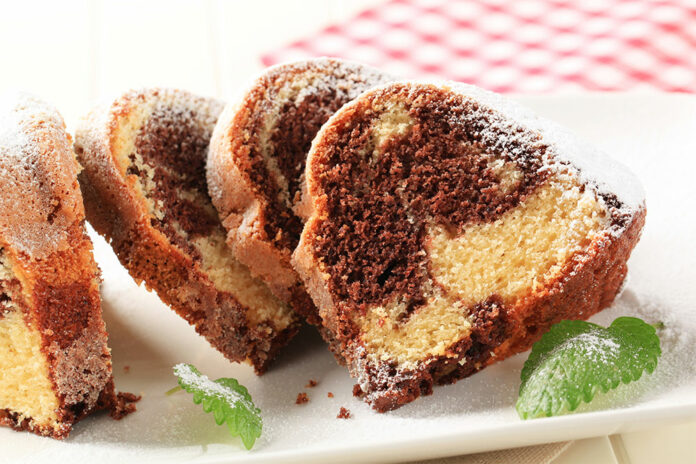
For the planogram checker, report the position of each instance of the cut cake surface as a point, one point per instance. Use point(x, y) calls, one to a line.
point(145, 190)
point(449, 229)
point(257, 161)
point(55, 366)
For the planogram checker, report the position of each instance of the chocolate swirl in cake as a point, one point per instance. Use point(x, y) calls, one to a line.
point(257, 162)
point(448, 229)
point(54, 360)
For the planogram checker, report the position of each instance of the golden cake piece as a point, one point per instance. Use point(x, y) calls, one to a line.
point(257, 159)
point(145, 190)
point(450, 229)
point(55, 366)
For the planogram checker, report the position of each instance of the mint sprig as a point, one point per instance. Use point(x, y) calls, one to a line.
point(576, 359)
point(229, 402)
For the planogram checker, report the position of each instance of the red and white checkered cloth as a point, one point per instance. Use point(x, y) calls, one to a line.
point(520, 45)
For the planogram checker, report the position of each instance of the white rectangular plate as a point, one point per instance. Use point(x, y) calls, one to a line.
point(654, 135)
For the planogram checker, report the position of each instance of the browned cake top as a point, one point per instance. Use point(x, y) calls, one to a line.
point(39, 190)
point(39, 193)
point(49, 277)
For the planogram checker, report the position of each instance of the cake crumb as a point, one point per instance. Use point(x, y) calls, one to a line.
point(330, 395)
point(344, 413)
point(126, 369)
point(123, 405)
point(302, 398)
point(311, 384)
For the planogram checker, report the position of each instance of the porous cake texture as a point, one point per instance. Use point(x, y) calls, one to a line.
point(448, 229)
point(55, 366)
point(257, 160)
point(145, 190)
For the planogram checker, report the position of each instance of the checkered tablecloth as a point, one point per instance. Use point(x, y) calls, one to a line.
point(520, 46)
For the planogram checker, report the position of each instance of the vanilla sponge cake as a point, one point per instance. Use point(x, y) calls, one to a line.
point(145, 190)
point(448, 229)
point(55, 366)
point(257, 159)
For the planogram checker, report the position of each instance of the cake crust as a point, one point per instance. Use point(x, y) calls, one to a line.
point(257, 160)
point(148, 243)
point(49, 281)
point(396, 181)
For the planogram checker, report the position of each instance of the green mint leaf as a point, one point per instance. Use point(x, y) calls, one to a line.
point(575, 359)
point(229, 402)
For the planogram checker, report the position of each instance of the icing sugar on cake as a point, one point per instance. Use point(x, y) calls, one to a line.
point(145, 190)
point(55, 366)
point(28, 128)
point(594, 166)
point(257, 159)
point(449, 229)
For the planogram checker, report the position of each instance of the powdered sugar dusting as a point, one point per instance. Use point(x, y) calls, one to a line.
point(203, 384)
point(475, 414)
point(95, 131)
point(19, 113)
point(677, 338)
point(593, 346)
point(339, 76)
point(511, 132)
point(295, 82)
point(319, 76)
point(512, 128)
point(37, 176)
point(594, 167)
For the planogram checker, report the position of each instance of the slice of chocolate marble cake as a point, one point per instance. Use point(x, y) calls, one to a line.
point(55, 366)
point(257, 160)
point(145, 190)
point(448, 229)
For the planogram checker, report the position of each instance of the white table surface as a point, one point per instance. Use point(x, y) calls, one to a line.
point(75, 52)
